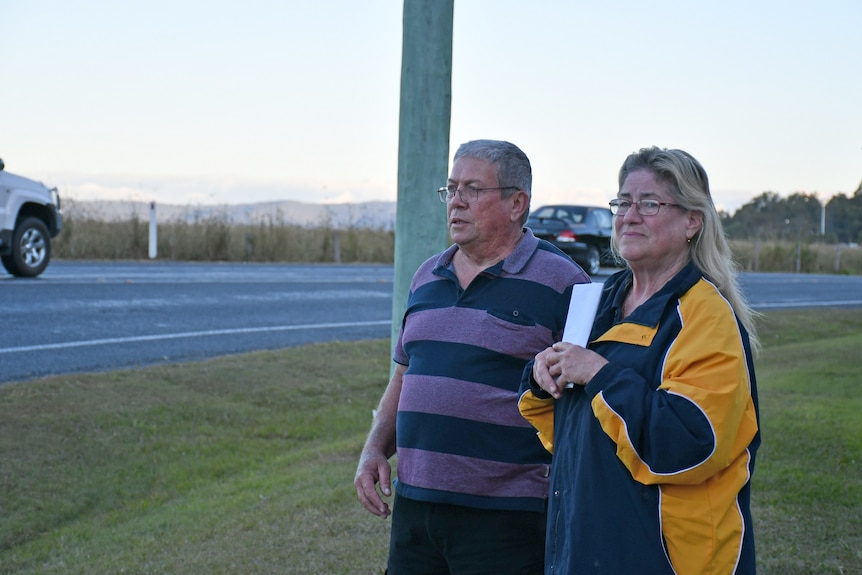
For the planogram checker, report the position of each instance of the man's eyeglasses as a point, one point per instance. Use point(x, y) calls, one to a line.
point(644, 207)
point(468, 194)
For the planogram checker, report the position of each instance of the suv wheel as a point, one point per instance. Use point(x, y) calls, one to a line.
point(31, 249)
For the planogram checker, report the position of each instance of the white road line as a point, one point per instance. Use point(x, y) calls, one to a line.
point(115, 340)
point(852, 302)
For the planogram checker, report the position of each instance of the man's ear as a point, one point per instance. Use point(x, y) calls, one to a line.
point(520, 204)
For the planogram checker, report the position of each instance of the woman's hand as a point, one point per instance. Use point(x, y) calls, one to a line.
point(543, 371)
point(563, 364)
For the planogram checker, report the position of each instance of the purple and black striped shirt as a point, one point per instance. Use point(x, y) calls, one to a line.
point(460, 437)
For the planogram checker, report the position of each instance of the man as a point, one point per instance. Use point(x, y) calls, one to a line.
point(472, 483)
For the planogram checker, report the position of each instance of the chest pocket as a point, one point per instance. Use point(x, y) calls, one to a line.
point(630, 333)
point(517, 317)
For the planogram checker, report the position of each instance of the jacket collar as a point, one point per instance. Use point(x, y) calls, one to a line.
point(650, 312)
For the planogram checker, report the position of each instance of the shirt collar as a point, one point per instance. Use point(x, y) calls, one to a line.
point(513, 264)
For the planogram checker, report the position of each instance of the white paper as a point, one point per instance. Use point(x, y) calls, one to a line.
point(582, 312)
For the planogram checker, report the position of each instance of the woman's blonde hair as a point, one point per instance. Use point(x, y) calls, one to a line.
point(688, 183)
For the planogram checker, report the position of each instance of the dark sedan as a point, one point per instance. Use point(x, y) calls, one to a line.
point(582, 232)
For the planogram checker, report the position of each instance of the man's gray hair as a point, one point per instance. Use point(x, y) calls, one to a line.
point(513, 166)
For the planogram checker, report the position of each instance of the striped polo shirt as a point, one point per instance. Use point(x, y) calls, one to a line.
point(460, 437)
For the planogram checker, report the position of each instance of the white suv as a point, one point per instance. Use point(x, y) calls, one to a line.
point(30, 216)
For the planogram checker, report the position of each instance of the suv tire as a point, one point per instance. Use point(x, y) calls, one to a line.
point(31, 249)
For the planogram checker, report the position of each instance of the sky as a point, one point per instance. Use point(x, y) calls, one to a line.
point(227, 102)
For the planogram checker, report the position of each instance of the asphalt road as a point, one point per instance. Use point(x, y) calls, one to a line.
point(80, 317)
point(102, 316)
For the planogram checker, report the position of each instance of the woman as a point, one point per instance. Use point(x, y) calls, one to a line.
point(654, 426)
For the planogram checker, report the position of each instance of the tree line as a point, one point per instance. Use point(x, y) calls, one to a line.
point(798, 217)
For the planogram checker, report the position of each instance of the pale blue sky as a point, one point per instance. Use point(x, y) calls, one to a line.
point(192, 101)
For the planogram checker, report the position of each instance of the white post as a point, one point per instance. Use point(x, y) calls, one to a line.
point(823, 218)
point(153, 238)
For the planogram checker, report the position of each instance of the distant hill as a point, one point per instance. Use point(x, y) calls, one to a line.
point(375, 215)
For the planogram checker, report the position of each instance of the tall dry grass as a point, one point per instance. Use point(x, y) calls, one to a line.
point(798, 257)
point(215, 238)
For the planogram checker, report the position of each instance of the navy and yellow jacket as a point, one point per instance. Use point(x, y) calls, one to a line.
point(652, 459)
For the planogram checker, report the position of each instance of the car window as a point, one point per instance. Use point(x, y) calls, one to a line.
point(604, 219)
point(576, 215)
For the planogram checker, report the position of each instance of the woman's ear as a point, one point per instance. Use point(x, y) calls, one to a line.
point(695, 223)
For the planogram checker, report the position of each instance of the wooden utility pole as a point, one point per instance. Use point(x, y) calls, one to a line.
point(423, 141)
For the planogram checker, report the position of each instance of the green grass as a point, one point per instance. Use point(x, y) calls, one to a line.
point(245, 464)
point(242, 464)
point(808, 482)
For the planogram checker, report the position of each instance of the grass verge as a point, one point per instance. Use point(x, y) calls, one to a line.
point(245, 464)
